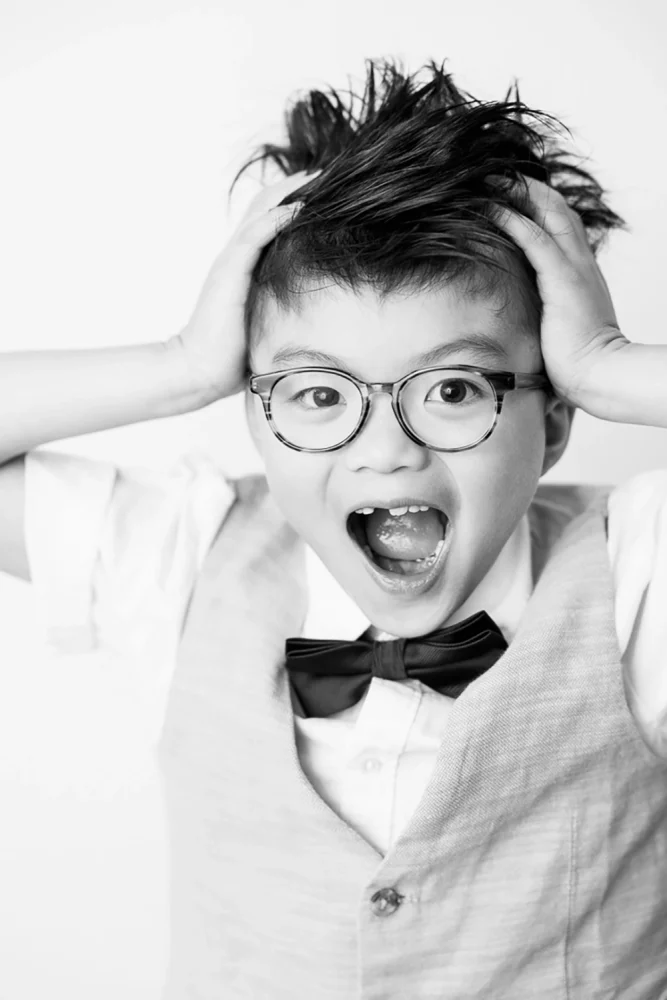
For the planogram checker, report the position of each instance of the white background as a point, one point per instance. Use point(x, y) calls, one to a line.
point(121, 127)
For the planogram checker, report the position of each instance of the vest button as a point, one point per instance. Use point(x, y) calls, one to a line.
point(384, 902)
point(372, 764)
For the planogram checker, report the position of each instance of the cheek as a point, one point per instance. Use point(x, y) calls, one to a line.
point(519, 433)
point(297, 480)
point(497, 480)
point(298, 486)
point(519, 465)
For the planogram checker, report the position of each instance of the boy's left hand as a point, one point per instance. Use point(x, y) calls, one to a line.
point(579, 325)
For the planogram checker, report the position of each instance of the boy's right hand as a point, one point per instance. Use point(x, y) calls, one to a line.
point(213, 344)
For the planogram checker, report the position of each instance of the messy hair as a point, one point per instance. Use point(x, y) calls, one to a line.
point(412, 169)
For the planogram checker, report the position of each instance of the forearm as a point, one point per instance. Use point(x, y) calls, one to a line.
point(628, 384)
point(49, 395)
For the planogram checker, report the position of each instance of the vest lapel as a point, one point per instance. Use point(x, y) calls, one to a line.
point(505, 707)
point(249, 597)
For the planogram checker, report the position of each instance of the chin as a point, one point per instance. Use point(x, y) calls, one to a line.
point(405, 604)
point(409, 622)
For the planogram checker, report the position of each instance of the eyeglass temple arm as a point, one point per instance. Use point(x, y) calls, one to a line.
point(522, 381)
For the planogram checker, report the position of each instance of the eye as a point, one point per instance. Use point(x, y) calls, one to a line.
point(454, 390)
point(320, 397)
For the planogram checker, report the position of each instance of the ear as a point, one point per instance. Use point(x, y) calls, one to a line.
point(558, 417)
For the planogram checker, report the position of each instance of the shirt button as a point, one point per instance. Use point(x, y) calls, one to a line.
point(384, 902)
point(372, 764)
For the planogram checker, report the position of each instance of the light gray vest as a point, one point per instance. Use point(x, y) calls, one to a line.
point(535, 866)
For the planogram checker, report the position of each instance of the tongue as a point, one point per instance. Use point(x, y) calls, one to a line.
point(407, 536)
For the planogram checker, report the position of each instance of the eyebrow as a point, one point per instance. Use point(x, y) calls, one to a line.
point(478, 347)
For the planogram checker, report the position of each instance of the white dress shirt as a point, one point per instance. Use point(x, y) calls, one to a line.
point(114, 554)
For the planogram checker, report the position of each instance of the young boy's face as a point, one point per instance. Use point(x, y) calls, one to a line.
point(484, 491)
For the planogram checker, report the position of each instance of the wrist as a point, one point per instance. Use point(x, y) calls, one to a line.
point(190, 386)
point(597, 389)
point(626, 384)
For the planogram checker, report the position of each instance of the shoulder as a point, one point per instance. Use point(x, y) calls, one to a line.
point(638, 556)
point(637, 525)
point(634, 509)
point(556, 505)
point(642, 496)
point(569, 499)
point(118, 545)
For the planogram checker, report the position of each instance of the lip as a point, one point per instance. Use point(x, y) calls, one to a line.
point(414, 584)
point(401, 501)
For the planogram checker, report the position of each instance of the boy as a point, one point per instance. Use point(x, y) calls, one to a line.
point(470, 799)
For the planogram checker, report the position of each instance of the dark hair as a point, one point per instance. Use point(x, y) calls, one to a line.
point(412, 171)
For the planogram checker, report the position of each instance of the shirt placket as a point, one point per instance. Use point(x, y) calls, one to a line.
point(381, 733)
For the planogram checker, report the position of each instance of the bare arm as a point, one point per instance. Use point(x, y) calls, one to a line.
point(50, 395)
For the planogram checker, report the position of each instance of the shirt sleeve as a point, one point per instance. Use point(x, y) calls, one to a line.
point(637, 541)
point(114, 552)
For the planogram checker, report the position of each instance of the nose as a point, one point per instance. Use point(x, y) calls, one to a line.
point(381, 444)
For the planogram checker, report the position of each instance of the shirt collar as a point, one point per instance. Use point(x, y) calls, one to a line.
point(503, 593)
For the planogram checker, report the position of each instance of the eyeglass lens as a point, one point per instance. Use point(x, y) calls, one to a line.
point(443, 408)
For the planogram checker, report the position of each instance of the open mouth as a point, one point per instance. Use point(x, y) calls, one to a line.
point(357, 524)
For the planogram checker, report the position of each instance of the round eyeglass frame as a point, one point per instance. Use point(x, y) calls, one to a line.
point(501, 382)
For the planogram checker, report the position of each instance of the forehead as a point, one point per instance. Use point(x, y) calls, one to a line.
point(383, 337)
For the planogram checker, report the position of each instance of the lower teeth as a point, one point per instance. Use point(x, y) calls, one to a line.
point(398, 565)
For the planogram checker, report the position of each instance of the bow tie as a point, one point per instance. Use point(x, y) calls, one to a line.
point(329, 676)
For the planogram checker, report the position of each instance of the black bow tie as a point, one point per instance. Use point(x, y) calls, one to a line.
point(329, 676)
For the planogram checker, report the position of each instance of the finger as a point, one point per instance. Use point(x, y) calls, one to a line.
point(232, 268)
point(254, 234)
point(549, 209)
point(539, 246)
point(272, 195)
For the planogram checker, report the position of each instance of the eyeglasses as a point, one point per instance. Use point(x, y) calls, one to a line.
point(444, 409)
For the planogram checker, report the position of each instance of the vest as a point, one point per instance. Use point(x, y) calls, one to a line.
point(535, 865)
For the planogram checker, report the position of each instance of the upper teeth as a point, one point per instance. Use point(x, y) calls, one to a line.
point(394, 511)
